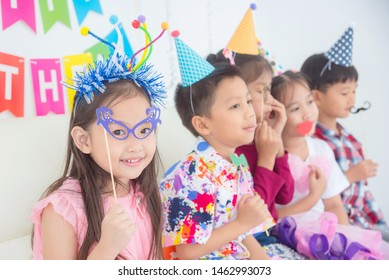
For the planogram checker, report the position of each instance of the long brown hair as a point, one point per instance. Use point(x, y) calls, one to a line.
point(93, 178)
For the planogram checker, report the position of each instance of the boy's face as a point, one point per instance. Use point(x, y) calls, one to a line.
point(232, 120)
point(301, 111)
point(260, 92)
point(337, 101)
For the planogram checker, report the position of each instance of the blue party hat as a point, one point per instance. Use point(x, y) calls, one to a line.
point(341, 52)
point(193, 67)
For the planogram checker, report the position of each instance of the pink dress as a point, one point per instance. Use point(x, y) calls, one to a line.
point(67, 202)
point(316, 233)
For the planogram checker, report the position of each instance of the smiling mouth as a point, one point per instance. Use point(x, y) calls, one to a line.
point(132, 162)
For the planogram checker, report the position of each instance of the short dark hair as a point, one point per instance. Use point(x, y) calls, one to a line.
point(313, 66)
point(203, 95)
point(250, 66)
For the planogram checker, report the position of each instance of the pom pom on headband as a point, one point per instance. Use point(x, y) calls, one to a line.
point(118, 66)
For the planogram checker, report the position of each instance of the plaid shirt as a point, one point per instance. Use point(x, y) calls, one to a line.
point(360, 204)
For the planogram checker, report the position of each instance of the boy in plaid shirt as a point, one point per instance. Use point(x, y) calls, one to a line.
point(333, 81)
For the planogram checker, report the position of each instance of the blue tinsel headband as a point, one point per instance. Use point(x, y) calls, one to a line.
point(119, 66)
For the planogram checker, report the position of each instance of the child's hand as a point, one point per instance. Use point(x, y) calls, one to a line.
point(268, 144)
point(362, 170)
point(317, 182)
point(116, 229)
point(252, 211)
point(277, 118)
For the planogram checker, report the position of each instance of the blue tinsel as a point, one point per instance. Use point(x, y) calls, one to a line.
point(91, 81)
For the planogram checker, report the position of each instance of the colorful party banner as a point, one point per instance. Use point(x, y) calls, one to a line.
point(53, 11)
point(13, 11)
point(83, 7)
point(48, 93)
point(73, 64)
point(12, 84)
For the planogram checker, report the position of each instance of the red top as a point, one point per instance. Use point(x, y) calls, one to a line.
point(274, 186)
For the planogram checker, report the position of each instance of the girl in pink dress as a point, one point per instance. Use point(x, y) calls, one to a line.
point(107, 205)
point(315, 222)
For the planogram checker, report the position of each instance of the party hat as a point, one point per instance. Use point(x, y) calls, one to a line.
point(193, 67)
point(277, 68)
point(341, 52)
point(243, 40)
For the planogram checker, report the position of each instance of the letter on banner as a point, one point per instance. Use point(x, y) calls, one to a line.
point(83, 7)
point(53, 11)
point(48, 93)
point(12, 84)
point(15, 10)
point(73, 64)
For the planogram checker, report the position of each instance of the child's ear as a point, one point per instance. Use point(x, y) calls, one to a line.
point(200, 124)
point(316, 96)
point(81, 139)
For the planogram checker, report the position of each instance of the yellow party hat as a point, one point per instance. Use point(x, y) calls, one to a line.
point(244, 40)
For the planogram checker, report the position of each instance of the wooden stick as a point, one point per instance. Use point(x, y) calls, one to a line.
point(110, 166)
point(263, 106)
point(364, 136)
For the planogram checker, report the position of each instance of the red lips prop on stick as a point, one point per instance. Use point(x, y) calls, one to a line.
point(304, 128)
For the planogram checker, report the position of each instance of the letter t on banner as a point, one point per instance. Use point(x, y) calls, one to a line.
point(48, 93)
point(12, 84)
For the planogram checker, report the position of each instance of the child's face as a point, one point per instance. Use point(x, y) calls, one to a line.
point(129, 157)
point(337, 101)
point(260, 93)
point(232, 120)
point(301, 112)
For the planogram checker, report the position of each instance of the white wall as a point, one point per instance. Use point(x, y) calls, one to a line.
point(32, 148)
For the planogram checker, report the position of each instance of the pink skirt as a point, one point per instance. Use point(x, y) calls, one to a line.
point(319, 236)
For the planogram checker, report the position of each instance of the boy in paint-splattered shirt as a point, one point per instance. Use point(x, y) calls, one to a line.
point(210, 208)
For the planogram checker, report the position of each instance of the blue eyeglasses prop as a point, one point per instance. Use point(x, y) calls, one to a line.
point(120, 131)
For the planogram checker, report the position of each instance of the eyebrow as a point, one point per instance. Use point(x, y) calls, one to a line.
point(261, 84)
point(293, 103)
point(237, 97)
point(348, 87)
point(127, 123)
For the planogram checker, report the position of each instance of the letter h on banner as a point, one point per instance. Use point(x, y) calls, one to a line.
point(48, 93)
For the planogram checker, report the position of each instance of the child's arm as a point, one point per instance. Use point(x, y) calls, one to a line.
point(256, 250)
point(116, 232)
point(267, 143)
point(285, 193)
point(361, 171)
point(317, 186)
point(219, 237)
point(58, 237)
point(335, 205)
point(251, 212)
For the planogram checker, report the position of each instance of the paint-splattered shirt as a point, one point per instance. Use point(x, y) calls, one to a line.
point(200, 193)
